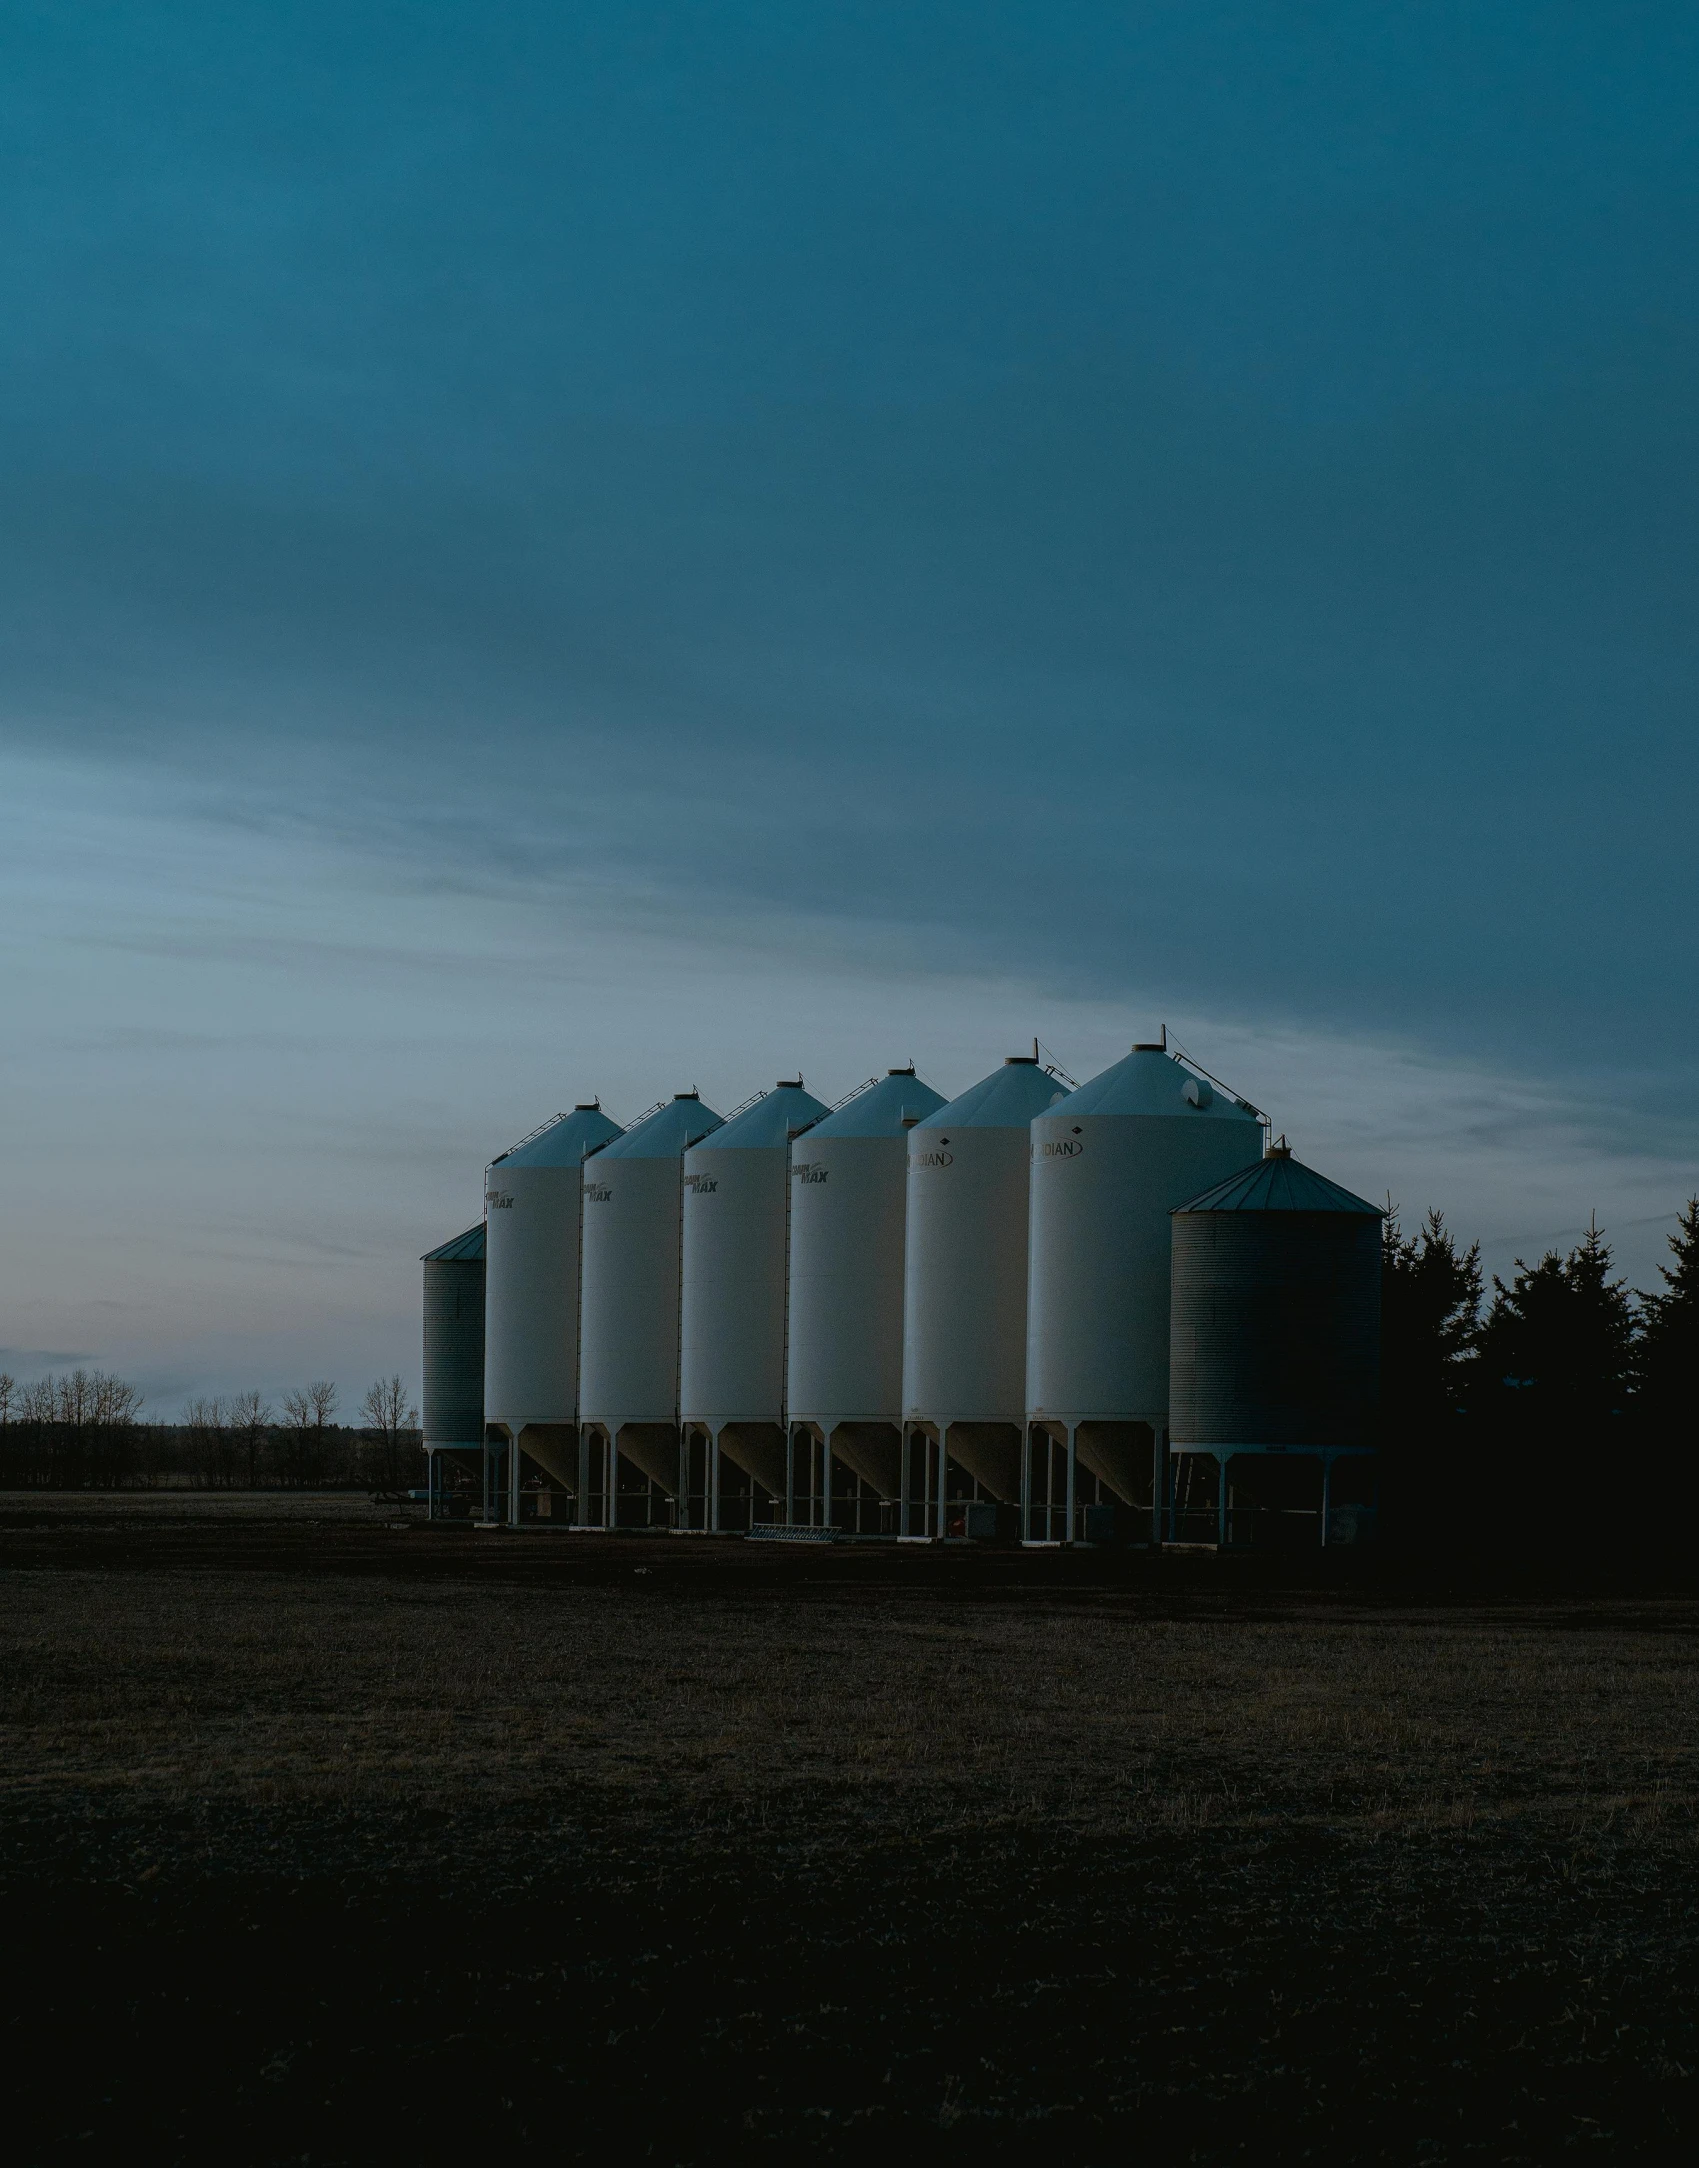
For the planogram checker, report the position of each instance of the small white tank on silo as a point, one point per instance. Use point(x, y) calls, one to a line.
point(848, 1180)
point(533, 1222)
point(1107, 1170)
point(732, 1342)
point(964, 1296)
point(629, 1297)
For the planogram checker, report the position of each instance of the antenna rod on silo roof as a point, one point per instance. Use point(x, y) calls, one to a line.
point(1238, 1098)
point(1054, 1068)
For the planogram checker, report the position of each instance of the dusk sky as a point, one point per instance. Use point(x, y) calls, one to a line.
point(554, 551)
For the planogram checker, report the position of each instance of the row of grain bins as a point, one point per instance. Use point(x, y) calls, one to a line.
point(912, 1318)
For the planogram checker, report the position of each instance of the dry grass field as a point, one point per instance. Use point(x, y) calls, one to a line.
point(329, 1840)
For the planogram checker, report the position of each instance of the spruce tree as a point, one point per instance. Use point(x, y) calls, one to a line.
point(1430, 1315)
point(1669, 1348)
point(1555, 1365)
point(1668, 1366)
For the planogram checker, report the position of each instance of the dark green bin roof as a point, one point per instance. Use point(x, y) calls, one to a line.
point(465, 1249)
point(1279, 1183)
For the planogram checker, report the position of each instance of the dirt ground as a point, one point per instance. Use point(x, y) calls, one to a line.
point(330, 1840)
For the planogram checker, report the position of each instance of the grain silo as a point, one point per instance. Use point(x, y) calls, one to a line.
point(629, 1303)
point(848, 1185)
point(732, 1310)
point(1275, 1357)
point(965, 1280)
point(533, 1204)
point(453, 1397)
point(1107, 1170)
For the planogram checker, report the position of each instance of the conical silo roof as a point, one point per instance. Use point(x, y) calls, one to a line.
point(879, 1111)
point(1280, 1183)
point(771, 1121)
point(670, 1130)
point(564, 1141)
point(1150, 1081)
point(465, 1249)
point(1007, 1099)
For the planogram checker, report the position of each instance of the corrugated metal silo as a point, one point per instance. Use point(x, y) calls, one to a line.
point(732, 1337)
point(454, 1343)
point(848, 1212)
point(1275, 1338)
point(965, 1281)
point(533, 1204)
point(629, 1295)
point(1107, 1170)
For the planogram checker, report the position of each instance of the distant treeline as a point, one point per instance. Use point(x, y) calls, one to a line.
point(1559, 1415)
point(84, 1429)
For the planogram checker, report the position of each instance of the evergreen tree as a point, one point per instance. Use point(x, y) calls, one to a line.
point(1668, 1382)
point(1555, 1366)
point(1430, 1315)
point(1669, 1338)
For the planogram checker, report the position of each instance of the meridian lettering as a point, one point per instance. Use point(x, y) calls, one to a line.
point(932, 1159)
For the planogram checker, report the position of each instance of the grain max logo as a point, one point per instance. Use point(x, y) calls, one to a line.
point(809, 1170)
point(499, 1200)
point(1064, 1148)
point(932, 1159)
point(597, 1193)
point(703, 1184)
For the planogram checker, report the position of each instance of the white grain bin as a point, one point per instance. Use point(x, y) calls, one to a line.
point(1107, 1170)
point(732, 1309)
point(532, 1216)
point(628, 1383)
point(964, 1297)
point(849, 1182)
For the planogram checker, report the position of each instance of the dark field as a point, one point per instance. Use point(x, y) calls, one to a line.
point(326, 1841)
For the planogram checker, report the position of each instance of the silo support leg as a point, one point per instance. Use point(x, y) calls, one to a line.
point(1073, 1487)
point(513, 1482)
point(1221, 1502)
point(1326, 1487)
point(712, 1516)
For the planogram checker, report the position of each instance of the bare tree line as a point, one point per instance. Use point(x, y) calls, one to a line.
point(83, 1429)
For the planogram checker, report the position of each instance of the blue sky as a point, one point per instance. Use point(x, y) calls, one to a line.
point(552, 550)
